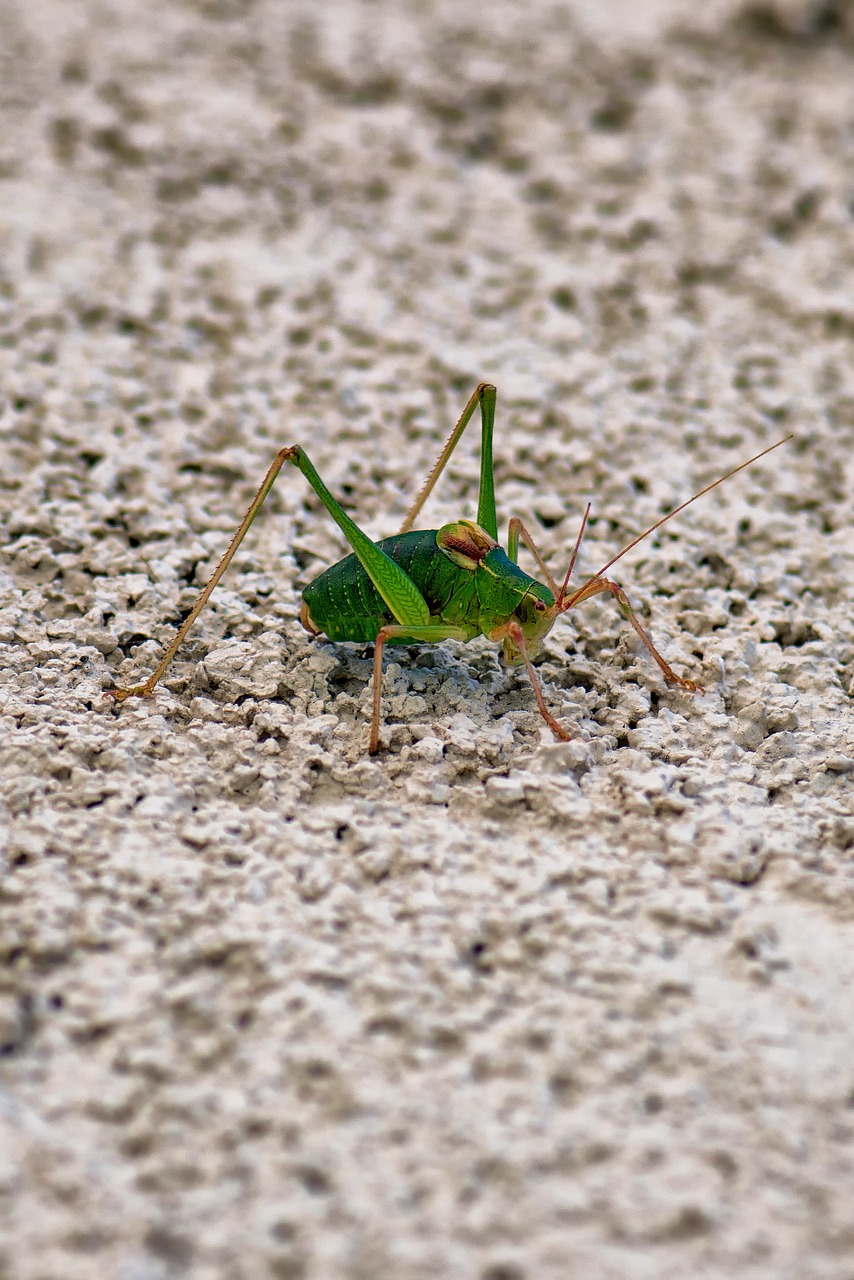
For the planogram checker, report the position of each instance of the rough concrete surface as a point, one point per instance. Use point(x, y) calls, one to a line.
point(488, 1006)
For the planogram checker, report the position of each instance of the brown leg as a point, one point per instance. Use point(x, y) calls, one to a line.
point(516, 533)
point(511, 630)
point(145, 690)
point(595, 588)
point(432, 634)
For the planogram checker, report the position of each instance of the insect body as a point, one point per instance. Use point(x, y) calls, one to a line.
point(472, 596)
point(436, 584)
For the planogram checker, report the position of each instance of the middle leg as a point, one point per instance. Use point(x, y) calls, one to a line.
point(431, 634)
point(516, 533)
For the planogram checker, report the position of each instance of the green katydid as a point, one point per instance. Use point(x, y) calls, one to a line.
point(438, 584)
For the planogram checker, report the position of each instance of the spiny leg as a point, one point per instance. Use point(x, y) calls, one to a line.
point(144, 690)
point(595, 588)
point(431, 634)
point(397, 589)
point(483, 395)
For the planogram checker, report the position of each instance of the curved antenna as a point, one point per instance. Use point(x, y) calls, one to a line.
point(669, 516)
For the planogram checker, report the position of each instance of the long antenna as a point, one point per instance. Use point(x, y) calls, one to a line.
point(574, 556)
point(669, 516)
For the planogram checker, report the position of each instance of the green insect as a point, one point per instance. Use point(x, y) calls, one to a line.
point(438, 584)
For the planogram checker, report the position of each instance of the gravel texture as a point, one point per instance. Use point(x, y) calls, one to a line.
point(487, 1007)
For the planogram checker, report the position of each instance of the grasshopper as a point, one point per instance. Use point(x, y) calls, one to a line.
point(425, 586)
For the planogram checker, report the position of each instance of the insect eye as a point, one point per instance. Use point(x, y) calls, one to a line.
point(539, 606)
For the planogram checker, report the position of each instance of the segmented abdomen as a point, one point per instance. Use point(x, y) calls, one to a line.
point(345, 604)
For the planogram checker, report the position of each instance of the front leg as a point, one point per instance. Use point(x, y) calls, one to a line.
point(511, 633)
point(595, 588)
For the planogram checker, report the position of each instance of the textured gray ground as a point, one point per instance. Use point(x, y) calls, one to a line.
point(488, 1007)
